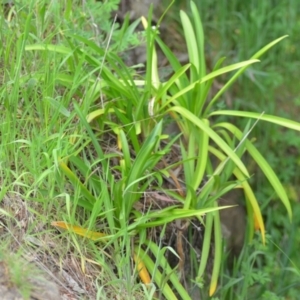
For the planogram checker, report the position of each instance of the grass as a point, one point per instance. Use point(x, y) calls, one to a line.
point(57, 72)
point(35, 133)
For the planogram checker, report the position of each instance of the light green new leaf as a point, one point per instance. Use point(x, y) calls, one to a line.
point(191, 43)
point(259, 53)
point(200, 38)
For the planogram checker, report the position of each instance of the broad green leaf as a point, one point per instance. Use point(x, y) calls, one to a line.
point(264, 166)
point(218, 253)
point(206, 245)
point(91, 180)
point(269, 118)
point(214, 74)
point(191, 43)
point(254, 204)
point(248, 192)
point(260, 52)
point(183, 80)
point(154, 67)
point(172, 215)
point(93, 46)
point(92, 136)
point(210, 82)
point(213, 135)
point(158, 278)
point(188, 166)
point(242, 70)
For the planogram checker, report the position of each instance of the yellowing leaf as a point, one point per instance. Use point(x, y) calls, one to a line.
point(259, 223)
point(212, 288)
point(142, 270)
point(93, 235)
point(256, 223)
point(144, 22)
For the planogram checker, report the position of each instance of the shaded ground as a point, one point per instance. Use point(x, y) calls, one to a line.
point(30, 266)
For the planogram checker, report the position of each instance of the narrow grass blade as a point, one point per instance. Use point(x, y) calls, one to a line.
point(92, 136)
point(76, 182)
point(199, 38)
point(183, 80)
point(157, 277)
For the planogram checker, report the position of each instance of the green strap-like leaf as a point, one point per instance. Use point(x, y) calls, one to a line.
point(242, 70)
point(209, 76)
point(269, 118)
point(213, 135)
point(218, 253)
point(263, 164)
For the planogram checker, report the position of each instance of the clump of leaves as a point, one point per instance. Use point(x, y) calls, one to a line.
point(120, 147)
